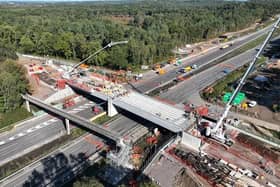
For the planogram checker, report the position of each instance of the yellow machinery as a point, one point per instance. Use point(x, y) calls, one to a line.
point(188, 68)
point(161, 71)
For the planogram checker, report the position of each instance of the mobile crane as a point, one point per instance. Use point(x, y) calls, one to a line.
point(217, 132)
point(67, 75)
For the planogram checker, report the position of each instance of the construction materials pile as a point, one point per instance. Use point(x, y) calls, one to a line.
point(114, 90)
point(215, 172)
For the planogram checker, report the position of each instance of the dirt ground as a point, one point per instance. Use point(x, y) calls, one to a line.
point(243, 158)
point(37, 89)
point(182, 179)
point(266, 93)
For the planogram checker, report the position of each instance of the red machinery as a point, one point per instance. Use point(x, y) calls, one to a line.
point(60, 83)
point(152, 140)
point(96, 110)
point(68, 103)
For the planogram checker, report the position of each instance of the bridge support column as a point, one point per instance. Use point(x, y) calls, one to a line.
point(27, 106)
point(67, 126)
point(112, 111)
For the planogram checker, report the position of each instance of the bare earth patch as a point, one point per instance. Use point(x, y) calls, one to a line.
point(38, 90)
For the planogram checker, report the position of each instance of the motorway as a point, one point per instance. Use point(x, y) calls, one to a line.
point(58, 167)
point(185, 90)
point(36, 132)
point(145, 86)
point(41, 130)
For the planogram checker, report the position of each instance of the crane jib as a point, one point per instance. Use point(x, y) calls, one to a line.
point(246, 74)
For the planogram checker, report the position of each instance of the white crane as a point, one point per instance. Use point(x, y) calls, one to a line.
point(68, 74)
point(217, 131)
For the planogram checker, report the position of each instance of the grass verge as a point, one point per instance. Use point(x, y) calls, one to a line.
point(225, 85)
point(103, 119)
point(17, 164)
point(9, 118)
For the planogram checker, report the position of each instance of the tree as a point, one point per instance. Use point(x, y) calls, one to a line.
point(12, 83)
point(26, 44)
point(88, 182)
point(7, 51)
point(117, 58)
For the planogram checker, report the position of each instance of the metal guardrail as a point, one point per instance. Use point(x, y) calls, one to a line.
point(74, 118)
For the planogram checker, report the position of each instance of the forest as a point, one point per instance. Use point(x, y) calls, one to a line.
point(13, 80)
point(152, 28)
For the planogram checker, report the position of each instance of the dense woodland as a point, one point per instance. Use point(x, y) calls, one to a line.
point(12, 81)
point(152, 28)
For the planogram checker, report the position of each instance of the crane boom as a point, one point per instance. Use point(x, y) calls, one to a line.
point(242, 81)
point(105, 47)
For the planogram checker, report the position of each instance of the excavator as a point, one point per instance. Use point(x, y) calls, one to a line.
point(217, 131)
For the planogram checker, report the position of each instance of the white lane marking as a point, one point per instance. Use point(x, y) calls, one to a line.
point(12, 138)
point(2, 142)
point(30, 130)
point(78, 109)
point(45, 123)
point(53, 120)
point(83, 107)
point(21, 134)
point(38, 127)
point(89, 104)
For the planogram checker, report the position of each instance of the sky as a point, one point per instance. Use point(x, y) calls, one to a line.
point(51, 0)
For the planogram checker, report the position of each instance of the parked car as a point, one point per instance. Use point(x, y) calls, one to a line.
point(252, 103)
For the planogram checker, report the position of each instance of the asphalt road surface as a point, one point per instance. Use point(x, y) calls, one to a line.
point(58, 167)
point(36, 132)
point(185, 90)
point(147, 85)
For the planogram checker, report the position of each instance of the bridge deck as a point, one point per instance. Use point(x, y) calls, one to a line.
point(160, 113)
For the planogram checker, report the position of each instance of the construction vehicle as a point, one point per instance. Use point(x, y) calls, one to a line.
point(172, 60)
point(161, 71)
point(217, 131)
point(188, 68)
